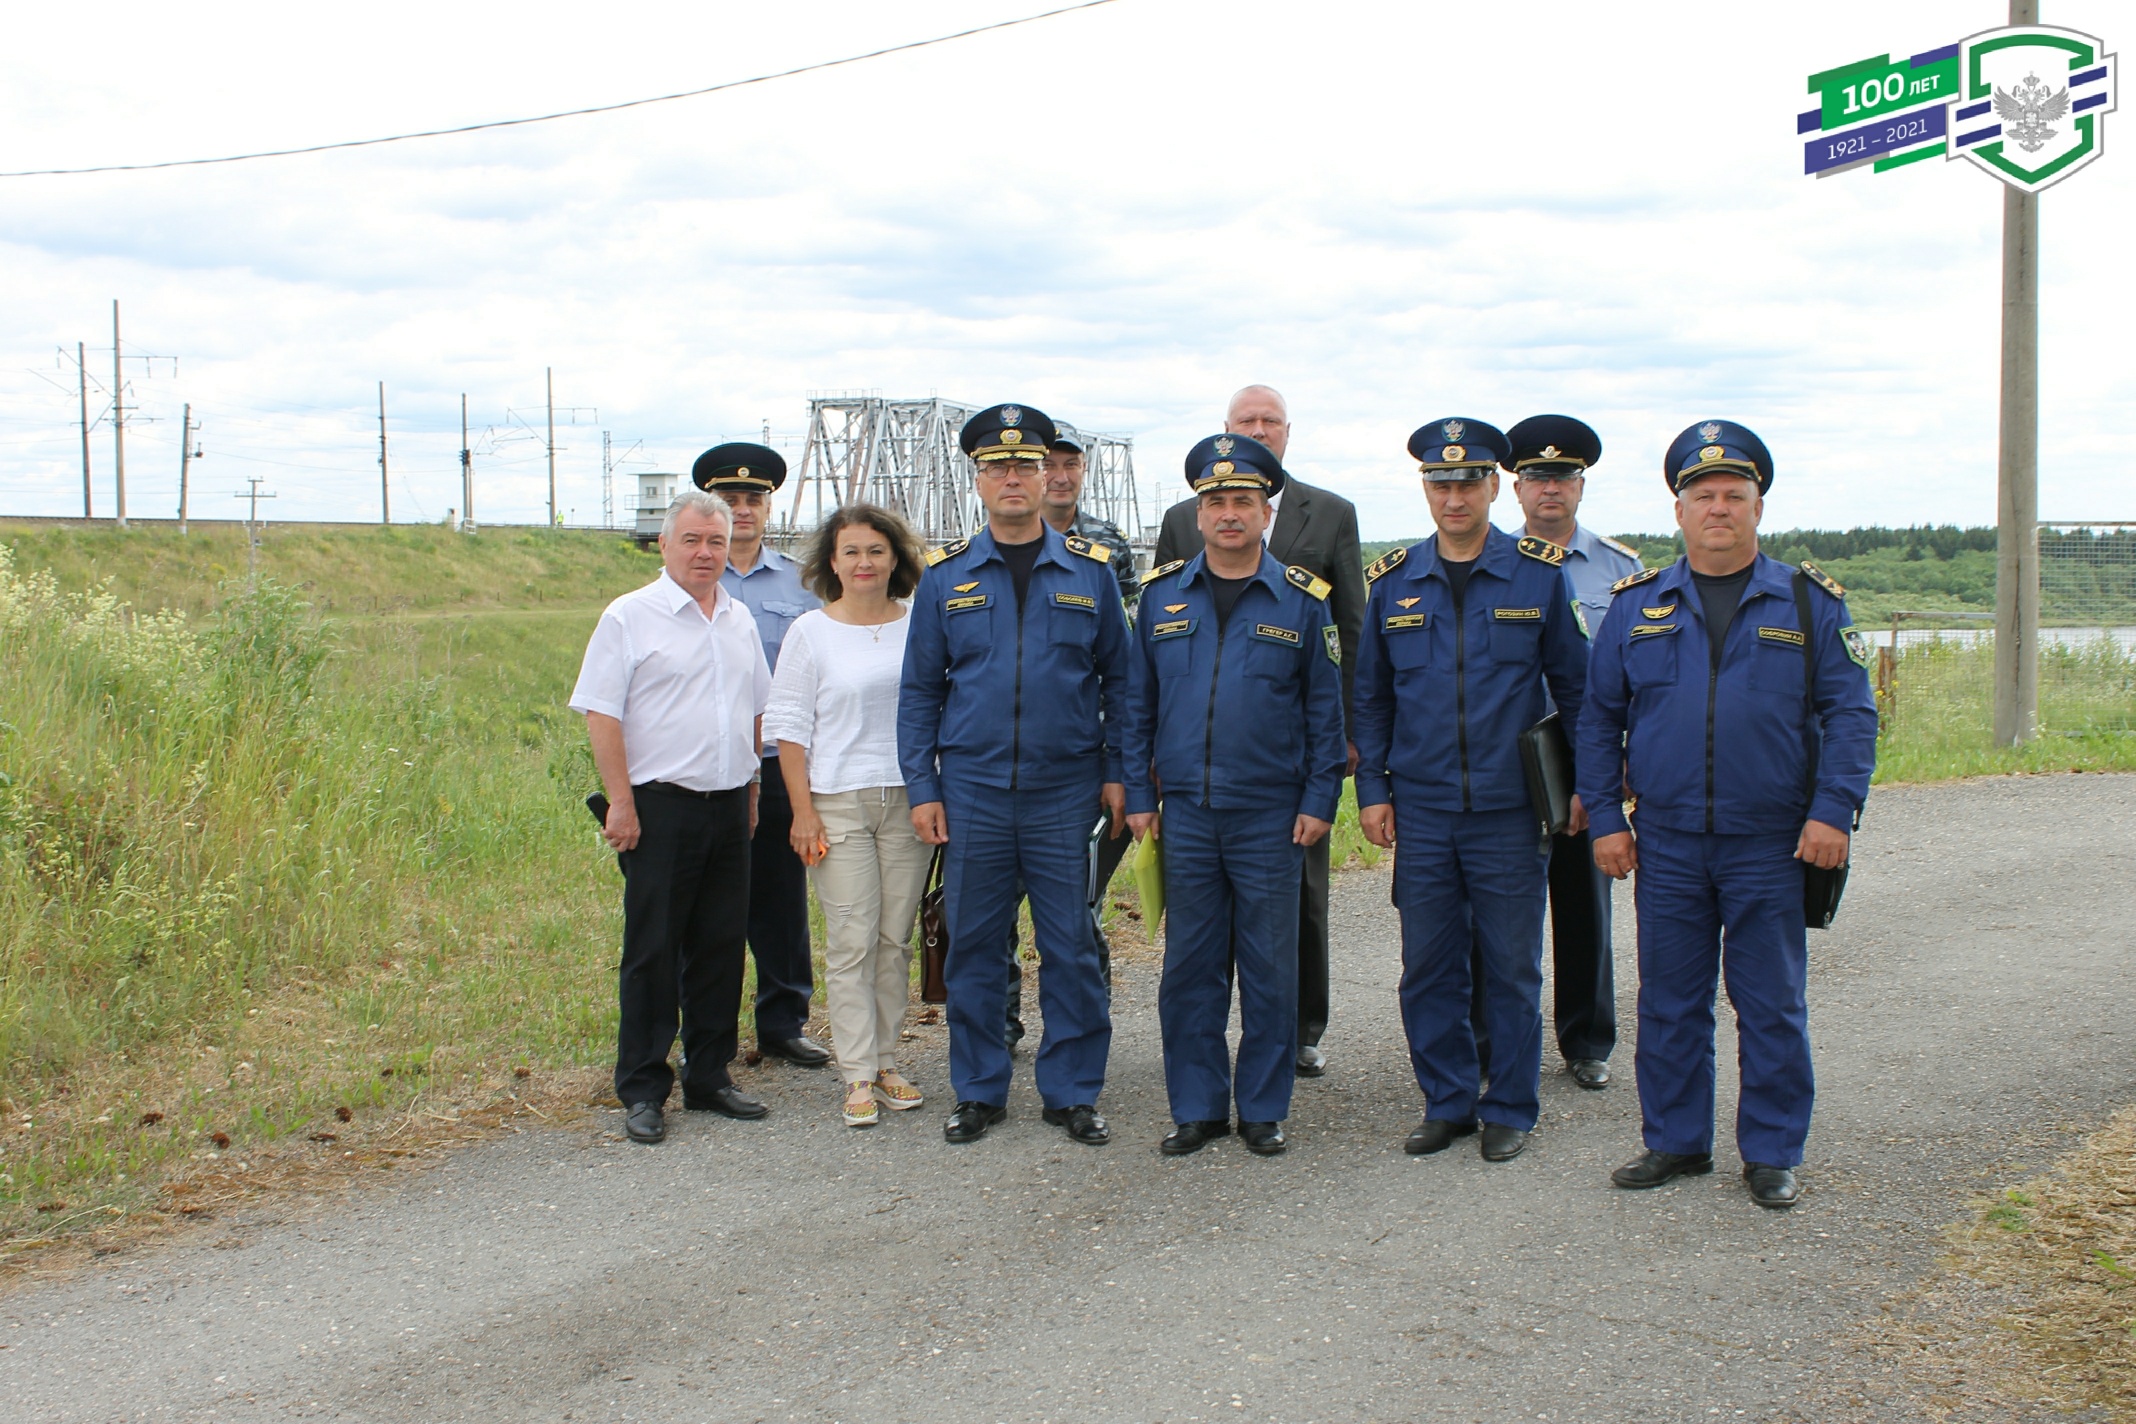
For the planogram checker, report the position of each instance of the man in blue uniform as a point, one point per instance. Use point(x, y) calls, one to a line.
point(769, 585)
point(1729, 694)
point(1462, 634)
point(1549, 460)
point(1015, 685)
point(1236, 720)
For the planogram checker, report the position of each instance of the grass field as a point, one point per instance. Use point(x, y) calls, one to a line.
point(268, 856)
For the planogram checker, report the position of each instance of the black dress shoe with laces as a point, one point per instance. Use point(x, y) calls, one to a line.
point(800, 1051)
point(1773, 1187)
point(644, 1123)
point(1589, 1072)
point(1188, 1137)
point(968, 1122)
point(1436, 1135)
point(1651, 1169)
point(729, 1101)
point(1502, 1143)
point(1263, 1139)
point(1082, 1122)
point(1311, 1061)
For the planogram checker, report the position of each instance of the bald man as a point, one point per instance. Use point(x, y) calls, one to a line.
point(1316, 530)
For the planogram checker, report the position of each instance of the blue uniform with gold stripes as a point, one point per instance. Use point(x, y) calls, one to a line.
point(1443, 692)
point(1716, 757)
point(1238, 726)
point(1009, 716)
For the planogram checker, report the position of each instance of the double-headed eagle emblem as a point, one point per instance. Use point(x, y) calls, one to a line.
point(2027, 109)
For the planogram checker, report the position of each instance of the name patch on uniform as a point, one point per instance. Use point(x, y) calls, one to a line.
point(1281, 635)
point(1781, 635)
point(1517, 615)
point(1397, 621)
point(958, 605)
point(1662, 612)
point(1075, 600)
point(1172, 629)
point(1641, 630)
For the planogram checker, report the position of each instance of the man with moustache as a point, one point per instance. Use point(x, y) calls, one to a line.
point(1316, 530)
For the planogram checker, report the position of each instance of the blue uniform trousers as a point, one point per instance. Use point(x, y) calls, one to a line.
point(998, 838)
point(1231, 885)
point(1463, 877)
point(1711, 905)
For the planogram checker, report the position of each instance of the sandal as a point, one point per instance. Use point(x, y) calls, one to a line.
point(860, 1106)
point(894, 1093)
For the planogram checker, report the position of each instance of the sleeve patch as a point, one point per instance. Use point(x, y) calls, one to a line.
point(1858, 647)
point(1579, 619)
point(1332, 636)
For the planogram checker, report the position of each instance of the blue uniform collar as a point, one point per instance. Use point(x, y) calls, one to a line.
point(1500, 549)
point(1053, 547)
point(1270, 572)
point(1767, 575)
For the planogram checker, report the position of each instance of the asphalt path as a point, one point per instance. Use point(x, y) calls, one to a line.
point(1970, 1011)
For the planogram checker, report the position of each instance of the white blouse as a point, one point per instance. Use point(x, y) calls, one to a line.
point(835, 693)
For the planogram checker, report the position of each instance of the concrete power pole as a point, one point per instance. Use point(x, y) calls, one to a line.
point(385, 500)
point(467, 474)
point(2017, 495)
point(252, 527)
point(118, 413)
point(81, 365)
point(185, 463)
point(549, 376)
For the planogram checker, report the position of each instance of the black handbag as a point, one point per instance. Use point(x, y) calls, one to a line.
point(1546, 758)
point(1821, 888)
point(934, 937)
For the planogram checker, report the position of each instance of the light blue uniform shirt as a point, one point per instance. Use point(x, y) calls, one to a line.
point(1592, 564)
point(773, 591)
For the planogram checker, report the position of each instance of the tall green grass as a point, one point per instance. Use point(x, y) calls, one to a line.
point(1938, 718)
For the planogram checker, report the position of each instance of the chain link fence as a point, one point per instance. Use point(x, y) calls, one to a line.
point(1935, 673)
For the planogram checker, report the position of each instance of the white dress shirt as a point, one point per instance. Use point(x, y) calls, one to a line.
point(835, 693)
point(687, 689)
point(1275, 503)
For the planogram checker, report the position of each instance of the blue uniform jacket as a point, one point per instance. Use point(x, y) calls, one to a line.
point(1724, 749)
point(1026, 703)
point(1249, 717)
point(1441, 700)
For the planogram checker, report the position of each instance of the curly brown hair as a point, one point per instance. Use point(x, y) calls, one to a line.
point(816, 567)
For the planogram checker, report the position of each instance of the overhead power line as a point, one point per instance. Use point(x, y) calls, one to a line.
point(562, 114)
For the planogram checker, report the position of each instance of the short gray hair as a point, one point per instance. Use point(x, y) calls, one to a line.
point(704, 502)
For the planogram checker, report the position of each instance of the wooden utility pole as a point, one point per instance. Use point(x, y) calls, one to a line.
point(467, 473)
point(549, 374)
point(81, 365)
point(118, 413)
point(385, 500)
point(185, 463)
point(2017, 494)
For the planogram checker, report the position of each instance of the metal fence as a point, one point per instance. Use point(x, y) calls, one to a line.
point(1935, 673)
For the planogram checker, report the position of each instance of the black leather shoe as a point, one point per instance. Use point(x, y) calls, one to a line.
point(1651, 1169)
point(1436, 1135)
point(1311, 1061)
point(1015, 1031)
point(1263, 1139)
point(802, 1052)
point(1502, 1143)
point(644, 1123)
point(1188, 1137)
point(1589, 1072)
point(1773, 1187)
point(729, 1101)
point(1082, 1122)
point(968, 1122)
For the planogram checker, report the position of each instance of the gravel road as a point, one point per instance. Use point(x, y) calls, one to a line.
point(1970, 1010)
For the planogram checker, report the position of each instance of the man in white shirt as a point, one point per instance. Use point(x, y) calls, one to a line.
point(673, 690)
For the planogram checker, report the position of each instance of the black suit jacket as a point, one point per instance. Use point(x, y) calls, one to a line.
point(1316, 529)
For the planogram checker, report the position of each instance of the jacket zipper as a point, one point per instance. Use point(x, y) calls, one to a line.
point(1713, 683)
point(1461, 691)
point(1016, 716)
point(1216, 666)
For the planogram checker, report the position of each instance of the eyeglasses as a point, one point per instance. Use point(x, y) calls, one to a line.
point(1552, 477)
point(1002, 469)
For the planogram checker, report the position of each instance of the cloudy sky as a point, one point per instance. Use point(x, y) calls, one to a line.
point(1391, 211)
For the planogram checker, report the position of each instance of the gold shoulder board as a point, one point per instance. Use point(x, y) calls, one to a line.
point(1543, 549)
point(1385, 563)
point(1632, 580)
point(1306, 579)
point(948, 551)
point(1162, 569)
point(1823, 580)
point(1077, 544)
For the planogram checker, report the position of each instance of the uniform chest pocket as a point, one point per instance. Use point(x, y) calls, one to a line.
point(1071, 620)
point(783, 610)
point(1651, 654)
point(1172, 646)
point(1516, 635)
point(1272, 650)
point(1776, 661)
point(1408, 639)
point(967, 623)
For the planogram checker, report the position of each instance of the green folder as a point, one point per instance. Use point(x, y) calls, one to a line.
point(1149, 879)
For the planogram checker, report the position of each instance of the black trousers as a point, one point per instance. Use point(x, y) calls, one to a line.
point(778, 915)
point(682, 941)
point(1313, 945)
point(1583, 960)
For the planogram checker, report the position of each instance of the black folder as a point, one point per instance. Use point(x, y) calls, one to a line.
point(1546, 757)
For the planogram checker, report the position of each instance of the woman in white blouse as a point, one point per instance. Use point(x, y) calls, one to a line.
point(833, 712)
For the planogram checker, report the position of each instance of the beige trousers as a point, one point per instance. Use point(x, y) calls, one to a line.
point(869, 883)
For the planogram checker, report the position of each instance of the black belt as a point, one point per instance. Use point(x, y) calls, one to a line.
point(669, 788)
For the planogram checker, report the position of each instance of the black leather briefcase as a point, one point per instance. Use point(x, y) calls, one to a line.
point(1546, 758)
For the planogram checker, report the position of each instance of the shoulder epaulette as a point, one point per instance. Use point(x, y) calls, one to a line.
point(1543, 549)
point(1823, 580)
point(1077, 544)
point(1625, 549)
point(1386, 563)
point(1314, 585)
point(948, 551)
point(1632, 580)
point(1162, 569)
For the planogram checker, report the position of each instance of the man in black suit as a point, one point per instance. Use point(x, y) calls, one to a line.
point(1316, 530)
